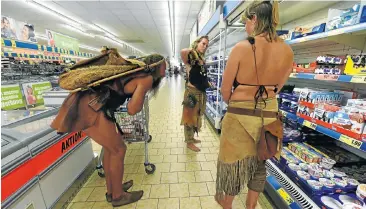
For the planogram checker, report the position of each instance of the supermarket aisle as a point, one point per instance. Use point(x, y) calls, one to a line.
point(183, 179)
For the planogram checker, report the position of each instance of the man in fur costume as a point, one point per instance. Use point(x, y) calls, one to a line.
point(92, 109)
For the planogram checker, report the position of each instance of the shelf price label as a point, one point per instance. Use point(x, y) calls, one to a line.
point(358, 79)
point(350, 141)
point(285, 196)
point(13, 44)
point(284, 114)
point(309, 124)
point(2, 42)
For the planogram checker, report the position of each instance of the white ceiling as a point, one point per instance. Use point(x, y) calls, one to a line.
point(142, 24)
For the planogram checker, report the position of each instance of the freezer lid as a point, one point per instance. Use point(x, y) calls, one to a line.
point(30, 123)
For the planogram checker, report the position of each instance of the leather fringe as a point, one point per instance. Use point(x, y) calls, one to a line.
point(234, 177)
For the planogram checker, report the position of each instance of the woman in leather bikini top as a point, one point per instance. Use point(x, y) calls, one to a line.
point(198, 73)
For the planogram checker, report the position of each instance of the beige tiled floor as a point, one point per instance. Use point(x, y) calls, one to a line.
point(183, 179)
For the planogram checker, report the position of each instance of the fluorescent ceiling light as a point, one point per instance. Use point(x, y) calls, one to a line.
point(70, 27)
point(40, 5)
point(88, 47)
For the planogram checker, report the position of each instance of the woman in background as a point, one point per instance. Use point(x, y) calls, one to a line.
point(194, 103)
point(257, 69)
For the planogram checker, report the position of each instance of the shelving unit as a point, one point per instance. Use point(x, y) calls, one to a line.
point(327, 77)
point(348, 40)
point(326, 131)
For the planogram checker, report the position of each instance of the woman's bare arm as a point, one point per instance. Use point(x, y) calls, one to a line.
point(231, 69)
point(184, 55)
point(137, 101)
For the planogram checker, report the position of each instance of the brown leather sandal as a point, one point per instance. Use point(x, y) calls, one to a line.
point(123, 200)
point(126, 186)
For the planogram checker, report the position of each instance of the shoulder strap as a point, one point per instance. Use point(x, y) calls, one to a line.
point(261, 88)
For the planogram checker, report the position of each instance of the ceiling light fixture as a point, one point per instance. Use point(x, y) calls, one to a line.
point(70, 27)
point(171, 20)
point(88, 47)
point(114, 38)
point(40, 5)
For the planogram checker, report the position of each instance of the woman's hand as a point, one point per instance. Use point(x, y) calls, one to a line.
point(184, 55)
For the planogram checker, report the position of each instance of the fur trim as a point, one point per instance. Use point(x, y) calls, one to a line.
point(232, 177)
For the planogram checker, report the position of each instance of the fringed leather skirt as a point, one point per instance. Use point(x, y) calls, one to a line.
point(238, 165)
point(194, 106)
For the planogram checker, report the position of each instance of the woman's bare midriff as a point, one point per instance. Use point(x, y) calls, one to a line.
point(247, 93)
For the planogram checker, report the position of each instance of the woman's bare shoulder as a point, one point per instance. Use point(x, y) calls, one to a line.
point(242, 46)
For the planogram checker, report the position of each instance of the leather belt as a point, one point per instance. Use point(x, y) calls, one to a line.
point(257, 113)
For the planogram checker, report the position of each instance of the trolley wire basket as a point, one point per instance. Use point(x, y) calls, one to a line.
point(135, 128)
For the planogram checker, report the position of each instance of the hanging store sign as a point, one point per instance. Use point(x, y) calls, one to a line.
point(33, 92)
point(16, 30)
point(208, 8)
point(62, 41)
point(11, 97)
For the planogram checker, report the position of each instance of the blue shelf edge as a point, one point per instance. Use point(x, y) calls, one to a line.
point(281, 192)
point(341, 78)
point(349, 29)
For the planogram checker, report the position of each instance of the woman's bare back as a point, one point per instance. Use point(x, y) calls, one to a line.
point(274, 65)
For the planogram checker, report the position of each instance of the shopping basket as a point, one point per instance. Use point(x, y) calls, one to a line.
point(135, 129)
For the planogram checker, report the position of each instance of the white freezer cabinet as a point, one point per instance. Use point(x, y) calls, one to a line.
point(37, 164)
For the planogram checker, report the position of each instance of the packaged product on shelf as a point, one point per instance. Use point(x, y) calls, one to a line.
point(355, 65)
point(347, 95)
point(350, 119)
point(351, 182)
point(327, 183)
point(294, 167)
point(328, 174)
point(315, 185)
point(361, 192)
point(333, 60)
point(327, 163)
point(342, 18)
point(304, 68)
point(357, 103)
point(324, 112)
point(339, 182)
point(338, 174)
point(305, 153)
point(302, 32)
point(303, 175)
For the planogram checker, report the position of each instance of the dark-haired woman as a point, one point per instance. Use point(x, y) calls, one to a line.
point(256, 69)
point(96, 119)
point(194, 103)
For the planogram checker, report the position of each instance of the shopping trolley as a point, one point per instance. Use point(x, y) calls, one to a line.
point(135, 129)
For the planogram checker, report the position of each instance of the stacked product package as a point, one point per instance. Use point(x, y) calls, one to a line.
point(318, 176)
point(337, 110)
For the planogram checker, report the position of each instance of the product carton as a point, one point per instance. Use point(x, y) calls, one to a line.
point(350, 119)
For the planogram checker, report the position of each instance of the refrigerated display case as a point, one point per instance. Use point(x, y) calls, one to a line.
point(39, 165)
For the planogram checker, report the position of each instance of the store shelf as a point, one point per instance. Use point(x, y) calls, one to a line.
point(326, 131)
point(34, 46)
point(354, 30)
point(325, 77)
point(287, 190)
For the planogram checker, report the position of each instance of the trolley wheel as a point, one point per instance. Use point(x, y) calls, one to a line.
point(150, 168)
point(150, 138)
point(101, 175)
